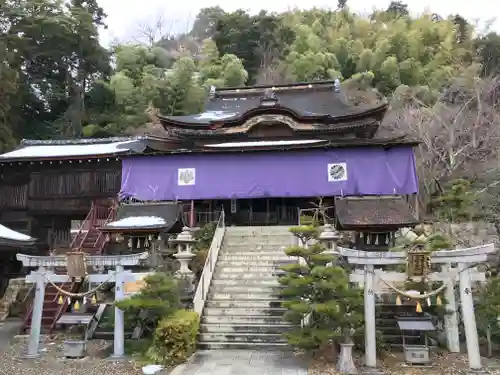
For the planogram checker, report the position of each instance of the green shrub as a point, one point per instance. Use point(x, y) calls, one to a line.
point(198, 262)
point(175, 338)
point(159, 296)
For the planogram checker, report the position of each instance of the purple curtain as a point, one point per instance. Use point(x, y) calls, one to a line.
point(305, 173)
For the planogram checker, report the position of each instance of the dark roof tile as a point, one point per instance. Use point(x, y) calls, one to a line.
point(370, 212)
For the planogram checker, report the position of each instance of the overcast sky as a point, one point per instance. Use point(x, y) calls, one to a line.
point(125, 15)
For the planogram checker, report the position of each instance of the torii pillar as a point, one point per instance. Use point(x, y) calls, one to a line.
point(42, 276)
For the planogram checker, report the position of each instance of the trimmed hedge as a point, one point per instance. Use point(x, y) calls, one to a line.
point(175, 338)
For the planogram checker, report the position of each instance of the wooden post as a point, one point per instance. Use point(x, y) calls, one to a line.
point(191, 214)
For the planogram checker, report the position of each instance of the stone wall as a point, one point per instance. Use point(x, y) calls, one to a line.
point(463, 234)
point(470, 234)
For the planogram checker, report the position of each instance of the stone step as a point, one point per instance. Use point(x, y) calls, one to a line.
point(256, 258)
point(243, 328)
point(256, 263)
point(211, 345)
point(247, 282)
point(244, 311)
point(274, 303)
point(270, 295)
point(245, 289)
point(243, 320)
point(253, 252)
point(252, 244)
point(241, 337)
point(251, 270)
point(258, 230)
point(219, 276)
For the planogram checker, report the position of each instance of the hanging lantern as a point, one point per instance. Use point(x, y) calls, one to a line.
point(398, 301)
point(76, 306)
point(94, 300)
point(439, 302)
point(419, 307)
point(60, 300)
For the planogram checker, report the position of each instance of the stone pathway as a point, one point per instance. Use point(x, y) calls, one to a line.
point(243, 362)
point(8, 329)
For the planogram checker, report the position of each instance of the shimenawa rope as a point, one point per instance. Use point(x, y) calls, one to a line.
point(77, 295)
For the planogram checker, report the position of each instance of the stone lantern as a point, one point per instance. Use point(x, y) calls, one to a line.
point(184, 242)
point(330, 237)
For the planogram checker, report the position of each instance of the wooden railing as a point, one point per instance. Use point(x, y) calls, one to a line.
point(200, 218)
point(209, 267)
point(103, 239)
point(82, 233)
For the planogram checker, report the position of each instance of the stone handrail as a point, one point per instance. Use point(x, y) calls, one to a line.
point(208, 269)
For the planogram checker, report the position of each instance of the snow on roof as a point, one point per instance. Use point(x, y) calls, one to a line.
point(10, 234)
point(267, 143)
point(138, 222)
point(48, 151)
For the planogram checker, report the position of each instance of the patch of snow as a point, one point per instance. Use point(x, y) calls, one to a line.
point(151, 369)
point(138, 222)
point(13, 235)
point(215, 115)
point(267, 143)
point(68, 150)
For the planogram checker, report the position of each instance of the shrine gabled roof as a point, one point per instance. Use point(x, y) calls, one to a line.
point(75, 148)
point(145, 217)
point(319, 102)
point(373, 212)
point(11, 238)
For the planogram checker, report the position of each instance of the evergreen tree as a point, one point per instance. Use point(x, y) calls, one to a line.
point(318, 295)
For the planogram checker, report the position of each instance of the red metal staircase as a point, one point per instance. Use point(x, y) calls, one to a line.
point(88, 239)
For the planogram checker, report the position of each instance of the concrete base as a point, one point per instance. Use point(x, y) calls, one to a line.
point(29, 356)
point(477, 372)
point(371, 371)
point(118, 358)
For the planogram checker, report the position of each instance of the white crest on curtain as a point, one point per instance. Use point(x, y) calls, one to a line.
point(337, 172)
point(186, 177)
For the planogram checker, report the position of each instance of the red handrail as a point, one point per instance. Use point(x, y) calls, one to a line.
point(103, 239)
point(88, 220)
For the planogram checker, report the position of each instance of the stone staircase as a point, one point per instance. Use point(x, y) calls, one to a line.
point(243, 309)
point(14, 288)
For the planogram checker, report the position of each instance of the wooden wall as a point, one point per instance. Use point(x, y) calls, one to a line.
point(58, 187)
point(41, 199)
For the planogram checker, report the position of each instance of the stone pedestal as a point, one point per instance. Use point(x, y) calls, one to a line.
point(345, 364)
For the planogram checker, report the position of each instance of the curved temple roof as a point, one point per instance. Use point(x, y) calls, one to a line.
point(319, 101)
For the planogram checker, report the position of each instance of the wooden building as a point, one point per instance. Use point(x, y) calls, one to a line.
point(260, 153)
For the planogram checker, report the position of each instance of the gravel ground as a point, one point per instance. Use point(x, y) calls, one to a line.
point(392, 364)
point(52, 362)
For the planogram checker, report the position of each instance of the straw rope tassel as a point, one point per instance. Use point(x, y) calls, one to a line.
point(419, 307)
point(398, 301)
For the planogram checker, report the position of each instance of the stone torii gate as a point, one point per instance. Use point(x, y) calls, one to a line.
point(44, 275)
point(372, 279)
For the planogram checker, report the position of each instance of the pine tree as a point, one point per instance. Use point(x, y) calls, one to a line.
point(317, 291)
